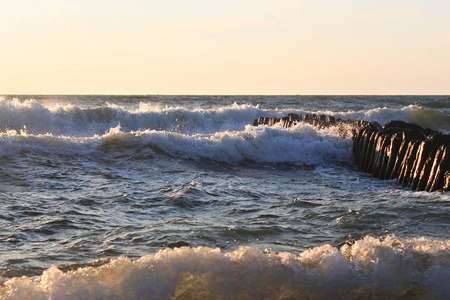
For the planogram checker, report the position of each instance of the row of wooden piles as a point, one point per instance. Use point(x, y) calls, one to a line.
point(419, 158)
point(293, 119)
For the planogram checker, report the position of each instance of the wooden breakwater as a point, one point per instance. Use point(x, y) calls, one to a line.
point(418, 158)
point(292, 119)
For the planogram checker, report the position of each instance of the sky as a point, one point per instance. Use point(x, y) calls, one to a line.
point(280, 47)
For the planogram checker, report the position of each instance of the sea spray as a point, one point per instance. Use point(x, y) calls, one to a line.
point(302, 145)
point(71, 120)
point(390, 267)
point(100, 186)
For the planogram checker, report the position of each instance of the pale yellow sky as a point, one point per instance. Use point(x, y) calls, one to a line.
point(224, 47)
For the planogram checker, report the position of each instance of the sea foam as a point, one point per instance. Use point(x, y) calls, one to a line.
point(221, 134)
point(302, 145)
point(78, 121)
point(402, 269)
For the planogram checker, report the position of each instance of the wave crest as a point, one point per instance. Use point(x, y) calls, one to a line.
point(219, 133)
point(301, 145)
point(40, 118)
point(384, 268)
point(78, 121)
point(425, 117)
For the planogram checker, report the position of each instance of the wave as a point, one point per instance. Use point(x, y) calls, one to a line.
point(388, 268)
point(220, 133)
point(302, 145)
point(78, 121)
point(40, 118)
point(439, 103)
point(426, 117)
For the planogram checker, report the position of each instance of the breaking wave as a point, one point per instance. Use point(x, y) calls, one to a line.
point(222, 134)
point(80, 122)
point(425, 117)
point(72, 120)
point(389, 268)
point(303, 145)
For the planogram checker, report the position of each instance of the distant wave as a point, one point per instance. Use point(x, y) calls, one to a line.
point(390, 268)
point(221, 134)
point(75, 121)
point(425, 117)
point(439, 103)
point(303, 145)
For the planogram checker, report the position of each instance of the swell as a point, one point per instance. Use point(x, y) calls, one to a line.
point(78, 121)
point(384, 268)
point(303, 145)
point(218, 133)
point(426, 117)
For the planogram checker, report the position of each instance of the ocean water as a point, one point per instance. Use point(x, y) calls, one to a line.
point(179, 197)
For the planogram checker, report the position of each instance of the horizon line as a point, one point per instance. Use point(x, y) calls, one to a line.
point(158, 94)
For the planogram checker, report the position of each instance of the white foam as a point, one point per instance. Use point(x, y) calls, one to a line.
point(382, 268)
point(77, 121)
point(219, 133)
point(383, 115)
point(425, 117)
point(68, 119)
point(301, 145)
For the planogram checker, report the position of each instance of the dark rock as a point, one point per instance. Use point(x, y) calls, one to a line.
point(447, 182)
point(424, 174)
point(423, 153)
point(414, 135)
point(392, 155)
point(392, 131)
point(309, 118)
point(399, 159)
point(417, 157)
point(442, 168)
point(369, 149)
point(376, 125)
point(294, 117)
point(358, 145)
point(429, 131)
point(273, 121)
point(402, 125)
point(383, 142)
point(178, 244)
point(376, 140)
point(434, 168)
point(438, 140)
point(284, 122)
point(408, 162)
point(362, 123)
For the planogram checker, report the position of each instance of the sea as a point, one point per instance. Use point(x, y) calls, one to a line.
point(180, 197)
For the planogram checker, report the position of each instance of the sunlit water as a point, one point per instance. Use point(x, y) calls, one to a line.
point(179, 196)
